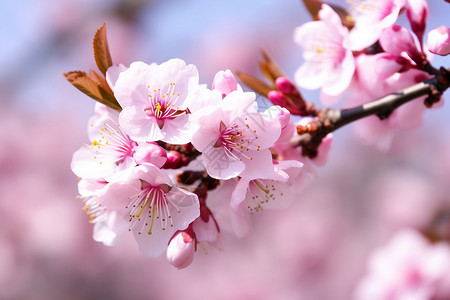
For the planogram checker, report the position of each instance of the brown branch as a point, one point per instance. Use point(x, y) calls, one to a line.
point(329, 120)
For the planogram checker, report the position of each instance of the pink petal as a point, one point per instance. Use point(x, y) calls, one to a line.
point(396, 39)
point(225, 82)
point(139, 126)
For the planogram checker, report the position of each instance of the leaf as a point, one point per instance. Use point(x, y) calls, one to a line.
point(269, 68)
point(93, 87)
point(313, 6)
point(101, 50)
point(254, 83)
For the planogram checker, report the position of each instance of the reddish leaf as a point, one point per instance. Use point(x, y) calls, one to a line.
point(101, 50)
point(254, 83)
point(313, 6)
point(269, 68)
point(92, 87)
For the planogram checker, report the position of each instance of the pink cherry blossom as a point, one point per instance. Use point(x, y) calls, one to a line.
point(371, 17)
point(90, 191)
point(110, 151)
point(181, 249)
point(408, 267)
point(155, 100)
point(234, 138)
point(150, 206)
point(268, 192)
point(439, 41)
point(328, 64)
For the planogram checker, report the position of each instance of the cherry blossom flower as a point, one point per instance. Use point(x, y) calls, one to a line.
point(111, 150)
point(155, 100)
point(371, 17)
point(268, 192)
point(328, 64)
point(439, 41)
point(234, 138)
point(408, 267)
point(150, 206)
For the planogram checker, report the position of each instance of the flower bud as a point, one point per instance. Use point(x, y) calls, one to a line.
point(225, 82)
point(286, 86)
point(175, 160)
point(181, 249)
point(439, 41)
point(150, 153)
point(277, 98)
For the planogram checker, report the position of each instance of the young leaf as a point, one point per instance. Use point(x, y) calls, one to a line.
point(269, 68)
point(254, 83)
point(313, 7)
point(101, 50)
point(91, 87)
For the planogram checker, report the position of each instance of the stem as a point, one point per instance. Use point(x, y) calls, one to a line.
point(329, 120)
point(383, 107)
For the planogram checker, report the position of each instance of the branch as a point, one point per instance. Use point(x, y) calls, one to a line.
point(329, 120)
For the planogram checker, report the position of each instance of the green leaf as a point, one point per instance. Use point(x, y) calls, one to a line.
point(101, 50)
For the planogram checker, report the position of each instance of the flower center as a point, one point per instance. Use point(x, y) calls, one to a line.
point(164, 106)
point(237, 140)
point(113, 144)
point(149, 205)
point(261, 191)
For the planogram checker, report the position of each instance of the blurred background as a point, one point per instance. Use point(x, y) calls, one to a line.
point(317, 249)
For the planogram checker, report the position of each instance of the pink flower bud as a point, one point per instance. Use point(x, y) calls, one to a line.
point(439, 41)
point(174, 160)
point(224, 82)
point(181, 249)
point(150, 153)
point(277, 98)
point(286, 86)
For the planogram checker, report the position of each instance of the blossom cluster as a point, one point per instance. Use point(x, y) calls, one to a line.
point(174, 162)
point(365, 52)
point(179, 162)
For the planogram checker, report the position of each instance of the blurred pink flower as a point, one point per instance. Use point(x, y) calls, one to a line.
point(371, 17)
point(439, 40)
point(371, 130)
point(328, 64)
point(408, 267)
